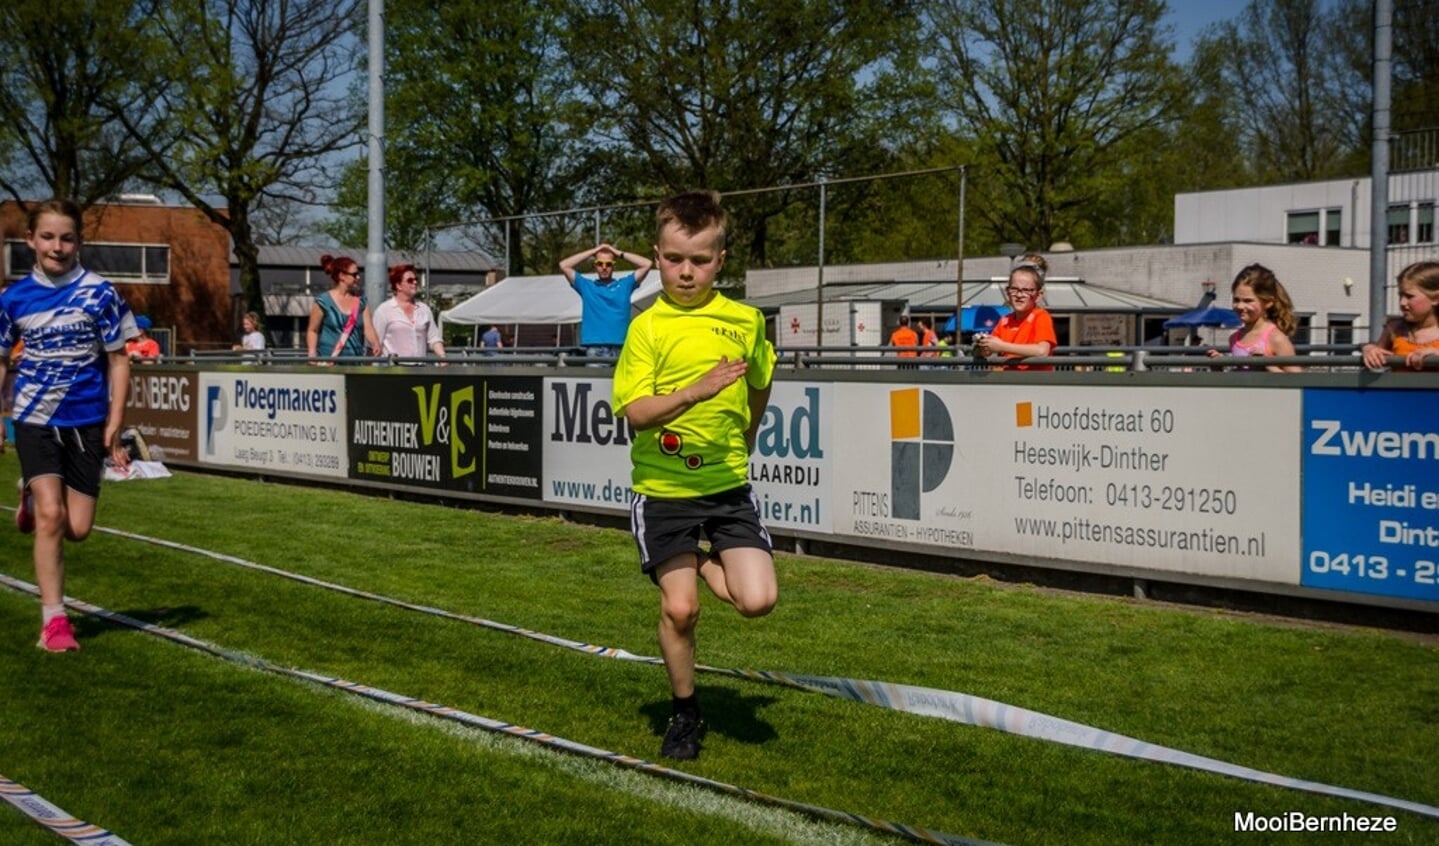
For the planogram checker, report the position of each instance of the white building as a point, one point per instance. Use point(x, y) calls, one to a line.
point(1315, 236)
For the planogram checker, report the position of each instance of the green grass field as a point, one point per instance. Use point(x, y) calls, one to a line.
point(166, 745)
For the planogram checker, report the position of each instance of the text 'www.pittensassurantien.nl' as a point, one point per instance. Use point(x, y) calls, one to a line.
point(1248, 821)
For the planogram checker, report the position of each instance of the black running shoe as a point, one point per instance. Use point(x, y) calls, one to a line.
point(682, 738)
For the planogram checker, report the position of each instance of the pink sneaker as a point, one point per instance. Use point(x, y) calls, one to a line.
point(25, 514)
point(58, 636)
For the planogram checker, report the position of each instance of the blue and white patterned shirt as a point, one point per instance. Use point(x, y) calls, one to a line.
point(69, 325)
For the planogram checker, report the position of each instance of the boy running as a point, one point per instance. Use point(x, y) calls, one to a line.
point(693, 379)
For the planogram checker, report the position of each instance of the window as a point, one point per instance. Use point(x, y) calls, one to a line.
point(1397, 223)
point(1341, 328)
point(1302, 330)
point(143, 264)
point(1304, 227)
point(1315, 227)
point(1424, 224)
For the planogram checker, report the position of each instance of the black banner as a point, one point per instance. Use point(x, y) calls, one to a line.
point(474, 434)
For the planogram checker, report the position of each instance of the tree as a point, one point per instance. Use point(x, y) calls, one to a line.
point(1059, 96)
point(1290, 105)
point(478, 100)
point(68, 70)
point(254, 99)
point(685, 98)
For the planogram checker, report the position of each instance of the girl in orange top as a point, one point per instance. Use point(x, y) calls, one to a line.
point(1028, 330)
point(1415, 336)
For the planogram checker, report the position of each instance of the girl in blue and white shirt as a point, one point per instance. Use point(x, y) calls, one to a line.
point(70, 391)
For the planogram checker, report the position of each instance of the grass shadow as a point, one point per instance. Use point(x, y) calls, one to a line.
point(169, 618)
point(728, 712)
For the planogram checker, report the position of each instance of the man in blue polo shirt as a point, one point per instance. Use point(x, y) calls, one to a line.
point(606, 297)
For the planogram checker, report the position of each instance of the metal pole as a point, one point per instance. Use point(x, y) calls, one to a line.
point(1379, 187)
point(959, 261)
point(819, 280)
point(375, 243)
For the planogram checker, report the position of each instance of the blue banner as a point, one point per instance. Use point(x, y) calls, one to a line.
point(1371, 492)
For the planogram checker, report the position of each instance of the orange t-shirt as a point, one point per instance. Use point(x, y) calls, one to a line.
point(930, 339)
point(1403, 346)
point(904, 337)
point(1031, 329)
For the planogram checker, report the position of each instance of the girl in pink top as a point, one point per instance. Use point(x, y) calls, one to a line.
point(1267, 313)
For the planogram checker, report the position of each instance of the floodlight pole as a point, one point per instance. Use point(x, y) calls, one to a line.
point(375, 269)
point(819, 281)
point(1379, 163)
point(959, 255)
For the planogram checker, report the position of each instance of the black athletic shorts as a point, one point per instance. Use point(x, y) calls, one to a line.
point(664, 528)
point(75, 454)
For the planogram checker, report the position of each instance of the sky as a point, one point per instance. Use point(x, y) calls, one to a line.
point(1190, 17)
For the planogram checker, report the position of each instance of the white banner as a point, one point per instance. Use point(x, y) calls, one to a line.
point(1190, 480)
point(292, 423)
point(587, 451)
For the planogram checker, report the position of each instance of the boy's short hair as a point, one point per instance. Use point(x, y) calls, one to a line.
point(693, 211)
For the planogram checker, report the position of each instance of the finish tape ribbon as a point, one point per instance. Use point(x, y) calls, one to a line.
point(916, 833)
point(35, 806)
point(930, 702)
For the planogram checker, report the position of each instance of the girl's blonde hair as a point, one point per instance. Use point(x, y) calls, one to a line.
point(1035, 264)
point(1270, 291)
point(1423, 275)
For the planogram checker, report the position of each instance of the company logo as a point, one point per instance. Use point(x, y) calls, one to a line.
point(673, 445)
point(1335, 440)
point(921, 448)
point(582, 419)
point(216, 414)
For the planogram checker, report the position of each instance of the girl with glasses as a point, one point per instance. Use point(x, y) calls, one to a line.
point(1028, 330)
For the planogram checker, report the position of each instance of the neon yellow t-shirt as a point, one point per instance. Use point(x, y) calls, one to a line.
point(703, 451)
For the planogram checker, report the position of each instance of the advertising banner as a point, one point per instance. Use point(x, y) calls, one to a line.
point(1139, 478)
point(163, 406)
point(1371, 492)
point(587, 451)
point(473, 434)
point(290, 423)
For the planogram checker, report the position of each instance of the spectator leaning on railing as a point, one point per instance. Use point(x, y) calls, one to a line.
point(1415, 335)
point(1028, 330)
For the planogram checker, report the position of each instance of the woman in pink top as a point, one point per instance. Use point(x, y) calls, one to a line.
point(1267, 313)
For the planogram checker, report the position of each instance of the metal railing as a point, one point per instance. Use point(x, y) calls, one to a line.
point(1118, 359)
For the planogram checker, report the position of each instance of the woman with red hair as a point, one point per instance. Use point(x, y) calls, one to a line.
point(405, 326)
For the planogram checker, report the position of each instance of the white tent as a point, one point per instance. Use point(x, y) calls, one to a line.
point(536, 299)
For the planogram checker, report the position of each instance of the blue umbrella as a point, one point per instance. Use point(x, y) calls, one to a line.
point(1210, 315)
point(978, 318)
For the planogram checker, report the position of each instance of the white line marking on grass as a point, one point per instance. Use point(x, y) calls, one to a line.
point(925, 701)
point(774, 822)
point(37, 808)
point(550, 741)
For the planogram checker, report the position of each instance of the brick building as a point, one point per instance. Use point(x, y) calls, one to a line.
point(170, 263)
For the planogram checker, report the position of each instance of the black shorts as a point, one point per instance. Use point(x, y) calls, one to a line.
point(75, 454)
point(664, 528)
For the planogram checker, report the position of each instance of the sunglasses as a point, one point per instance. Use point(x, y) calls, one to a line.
point(604, 264)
